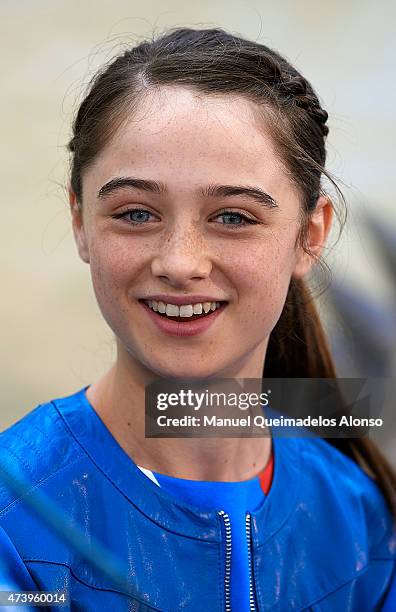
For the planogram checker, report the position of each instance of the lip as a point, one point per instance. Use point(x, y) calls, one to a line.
point(180, 300)
point(188, 328)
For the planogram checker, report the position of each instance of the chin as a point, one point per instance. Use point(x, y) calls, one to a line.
point(192, 373)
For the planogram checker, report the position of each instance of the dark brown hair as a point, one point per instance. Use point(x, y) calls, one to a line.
point(214, 62)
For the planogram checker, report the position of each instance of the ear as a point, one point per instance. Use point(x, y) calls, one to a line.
point(319, 226)
point(78, 226)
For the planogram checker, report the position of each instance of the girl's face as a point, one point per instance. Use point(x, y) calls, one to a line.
point(215, 220)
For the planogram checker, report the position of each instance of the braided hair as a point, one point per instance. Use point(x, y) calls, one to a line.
point(211, 61)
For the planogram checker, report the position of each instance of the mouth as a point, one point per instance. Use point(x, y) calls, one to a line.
point(183, 321)
point(183, 314)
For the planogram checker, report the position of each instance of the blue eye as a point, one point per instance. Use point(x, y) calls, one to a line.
point(235, 216)
point(137, 216)
point(140, 215)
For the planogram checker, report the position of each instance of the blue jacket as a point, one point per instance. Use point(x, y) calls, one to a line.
point(323, 539)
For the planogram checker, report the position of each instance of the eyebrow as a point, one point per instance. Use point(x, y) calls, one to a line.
point(216, 191)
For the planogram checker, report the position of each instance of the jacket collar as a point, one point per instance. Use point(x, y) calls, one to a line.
point(282, 497)
point(93, 436)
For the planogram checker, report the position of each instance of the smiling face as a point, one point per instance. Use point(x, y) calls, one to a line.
point(187, 147)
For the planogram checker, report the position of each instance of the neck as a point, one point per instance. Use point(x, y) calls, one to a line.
point(119, 399)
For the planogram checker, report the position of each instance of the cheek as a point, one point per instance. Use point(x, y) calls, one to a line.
point(115, 264)
point(262, 278)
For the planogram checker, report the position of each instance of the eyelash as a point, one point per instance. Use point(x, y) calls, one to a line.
point(247, 220)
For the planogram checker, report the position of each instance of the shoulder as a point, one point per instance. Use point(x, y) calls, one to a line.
point(349, 499)
point(32, 450)
point(331, 520)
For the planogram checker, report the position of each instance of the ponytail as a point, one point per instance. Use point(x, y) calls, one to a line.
point(298, 348)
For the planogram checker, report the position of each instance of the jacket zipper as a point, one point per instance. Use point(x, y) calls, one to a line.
point(227, 575)
point(252, 603)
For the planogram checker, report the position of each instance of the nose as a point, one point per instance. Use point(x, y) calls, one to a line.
point(183, 257)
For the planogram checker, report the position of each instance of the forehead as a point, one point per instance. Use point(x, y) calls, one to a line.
point(178, 135)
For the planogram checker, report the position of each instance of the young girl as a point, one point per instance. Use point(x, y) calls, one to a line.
point(196, 199)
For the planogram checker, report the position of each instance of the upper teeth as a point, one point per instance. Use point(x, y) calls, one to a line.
point(187, 310)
